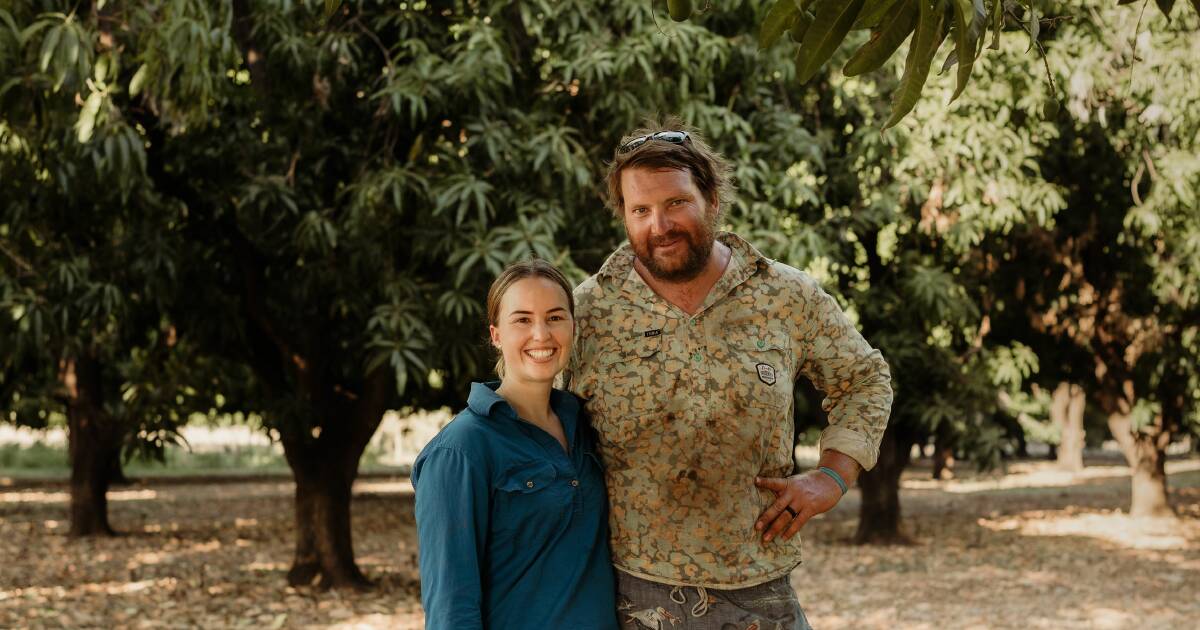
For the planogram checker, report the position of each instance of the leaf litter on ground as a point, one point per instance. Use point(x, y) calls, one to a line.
point(1035, 548)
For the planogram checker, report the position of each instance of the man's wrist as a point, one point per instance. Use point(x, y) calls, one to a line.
point(837, 478)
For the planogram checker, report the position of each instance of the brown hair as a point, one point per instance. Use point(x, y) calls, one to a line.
point(709, 170)
point(535, 268)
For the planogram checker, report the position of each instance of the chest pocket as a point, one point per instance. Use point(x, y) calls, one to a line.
point(530, 502)
point(628, 379)
point(762, 373)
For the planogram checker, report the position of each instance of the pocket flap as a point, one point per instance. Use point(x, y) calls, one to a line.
point(527, 477)
point(636, 348)
point(760, 339)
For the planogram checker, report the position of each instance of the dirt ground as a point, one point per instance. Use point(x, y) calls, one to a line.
point(1032, 549)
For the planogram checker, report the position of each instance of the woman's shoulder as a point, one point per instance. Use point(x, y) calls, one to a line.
point(463, 445)
point(467, 432)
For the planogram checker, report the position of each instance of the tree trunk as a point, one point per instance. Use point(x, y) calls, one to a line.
point(943, 456)
point(93, 441)
point(1146, 453)
point(1066, 410)
point(116, 475)
point(325, 467)
point(879, 513)
point(943, 463)
point(324, 545)
point(1150, 481)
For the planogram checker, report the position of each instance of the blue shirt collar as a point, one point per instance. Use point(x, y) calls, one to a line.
point(484, 401)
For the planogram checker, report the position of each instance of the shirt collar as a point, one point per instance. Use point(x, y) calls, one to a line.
point(484, 401)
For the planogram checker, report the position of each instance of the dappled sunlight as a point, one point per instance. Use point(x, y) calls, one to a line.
point(266, 566)
point(402, 487)
point(107, 588)
point(1038, 475)
point(57, 496)
point(378, 620)
point(1114, 528)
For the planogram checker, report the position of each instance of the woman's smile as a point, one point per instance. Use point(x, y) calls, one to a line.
point(541, 355)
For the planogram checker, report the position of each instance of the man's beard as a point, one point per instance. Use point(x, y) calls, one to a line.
point(699, 246)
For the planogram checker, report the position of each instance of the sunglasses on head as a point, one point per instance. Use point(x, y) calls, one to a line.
point(674, 137)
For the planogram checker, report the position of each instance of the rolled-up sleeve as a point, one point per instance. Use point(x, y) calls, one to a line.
point(853, 376)
point(452, 494)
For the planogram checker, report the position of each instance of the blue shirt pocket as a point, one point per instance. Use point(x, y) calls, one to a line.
point(531, 504)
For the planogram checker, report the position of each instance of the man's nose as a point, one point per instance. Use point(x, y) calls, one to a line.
point(660, 223)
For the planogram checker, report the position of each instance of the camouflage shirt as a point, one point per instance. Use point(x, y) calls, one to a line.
point(690, 408)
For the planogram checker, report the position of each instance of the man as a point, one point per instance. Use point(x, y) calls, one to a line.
point(689, 343)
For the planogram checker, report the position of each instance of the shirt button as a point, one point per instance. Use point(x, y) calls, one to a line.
point(696, 357)
point(761, 343)
point(575, 482)
point(528, 484)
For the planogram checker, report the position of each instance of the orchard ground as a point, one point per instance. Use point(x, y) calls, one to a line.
point(1034, 548)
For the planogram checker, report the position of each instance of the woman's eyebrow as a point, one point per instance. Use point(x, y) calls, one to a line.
point(553, 310)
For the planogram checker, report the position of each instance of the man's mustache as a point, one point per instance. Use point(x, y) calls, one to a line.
point(663, 239)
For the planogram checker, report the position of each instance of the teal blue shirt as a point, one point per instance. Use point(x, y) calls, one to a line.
point(513, 531)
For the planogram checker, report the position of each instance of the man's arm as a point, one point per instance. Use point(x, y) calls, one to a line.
point(856, 382)
point(853, 376)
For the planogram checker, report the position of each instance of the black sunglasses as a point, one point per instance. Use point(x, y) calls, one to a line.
point(674, 137)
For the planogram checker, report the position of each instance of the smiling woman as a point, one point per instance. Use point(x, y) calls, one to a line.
point(510, 503)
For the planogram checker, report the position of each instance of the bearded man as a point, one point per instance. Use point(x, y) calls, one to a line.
point(689, 344)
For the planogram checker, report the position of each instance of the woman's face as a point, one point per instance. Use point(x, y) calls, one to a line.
point(534, 330)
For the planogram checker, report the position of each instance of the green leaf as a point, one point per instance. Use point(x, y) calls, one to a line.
point(7, 18)
point(920, 56)
point(87, 117)
point(832, 23)
point(1034, 26)
point(964, 45)
point(8, 85)
point(49, 44)
point(777, 21)
point(138, 81)
point(31, 30)
point(884, 42)
point(997, 23)
point(70, 43)
point(875, 12)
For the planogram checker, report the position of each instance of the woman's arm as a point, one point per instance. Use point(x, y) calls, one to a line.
point(452, 499)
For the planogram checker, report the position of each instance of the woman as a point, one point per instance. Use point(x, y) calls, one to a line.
point(511, 508)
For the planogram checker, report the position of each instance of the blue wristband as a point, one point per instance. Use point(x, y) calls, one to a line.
point(836, 477)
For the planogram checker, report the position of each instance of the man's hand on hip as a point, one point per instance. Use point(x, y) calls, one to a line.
point(797, 499)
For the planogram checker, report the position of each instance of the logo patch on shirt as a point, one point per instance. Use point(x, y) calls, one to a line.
point(766, 373)
point(652, 333)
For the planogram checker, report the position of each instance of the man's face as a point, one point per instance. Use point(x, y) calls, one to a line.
point(668, 222)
